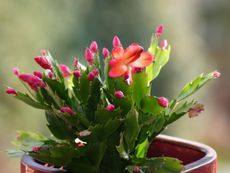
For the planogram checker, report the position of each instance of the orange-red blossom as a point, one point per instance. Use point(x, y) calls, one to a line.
point(125, 61)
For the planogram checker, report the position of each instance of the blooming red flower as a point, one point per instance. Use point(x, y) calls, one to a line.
point(65, 70)
point(124, 62)
point(43, 62)
point(33, 81)
point(11, 91)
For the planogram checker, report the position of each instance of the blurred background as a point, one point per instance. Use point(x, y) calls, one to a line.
point(198, 32)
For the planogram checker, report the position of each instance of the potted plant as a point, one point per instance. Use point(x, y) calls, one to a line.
point(103, 118)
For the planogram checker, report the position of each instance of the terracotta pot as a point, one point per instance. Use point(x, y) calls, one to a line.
point(197, 157)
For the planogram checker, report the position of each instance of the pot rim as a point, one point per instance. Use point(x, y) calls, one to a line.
point(209, 157)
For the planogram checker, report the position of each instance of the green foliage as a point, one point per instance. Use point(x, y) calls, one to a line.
point(28, 100)
point(157, 165)
point(90, 137)
point(194, 85)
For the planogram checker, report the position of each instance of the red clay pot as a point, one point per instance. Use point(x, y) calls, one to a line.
point(197, 157)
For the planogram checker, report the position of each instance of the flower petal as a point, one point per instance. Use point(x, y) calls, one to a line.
point(144, 60)
point(118, 53)
point(118, 70)
point(132, 53)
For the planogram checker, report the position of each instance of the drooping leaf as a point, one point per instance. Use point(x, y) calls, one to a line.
point(180, 110)
point(27, 139)
point(28, 100)
point(15, 153)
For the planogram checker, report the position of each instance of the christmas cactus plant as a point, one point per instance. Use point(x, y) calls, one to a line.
point(102, 116)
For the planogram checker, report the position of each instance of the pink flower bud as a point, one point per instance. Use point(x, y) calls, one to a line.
point(38, 74)
point(89, 56)
point(36, 149)
point(33, 81)
point(85, 133)
point(65, 70)
point(11, 91)
point(44, 52)
point(67, 110)
point(43, 62)
point(93, 74)
point(136, 169)
point(75, 63)
point(105, 52)
point(137, 70)
point(16, 71)
point(164, 44)
point(95, 71)
point(77, 73)
point(116, 42)
point(50, 74)
point(93, 47)
point(159, 30)
point(110, 107)
point(216, 74)
point(162, 101)
point(119, 94)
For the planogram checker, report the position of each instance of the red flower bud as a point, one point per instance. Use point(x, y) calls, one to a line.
point(162, 101)
point(159, 30)
point(67, 110)
point(11, 91)
point(33, 81)
point(43, 62)
point(110, 107)
point(119, 94)
point(36, 149)
point(216, 74)
point(75, 63)
point(116, 42)
point(105, 52)
point(16, 71)
point(93, 47)
point(65, 70)
point(93, 74)
point(164, 44)
point(38, 74)
point(77, 73)
point(50, 74)
point(136, 169)
point(89, 56)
